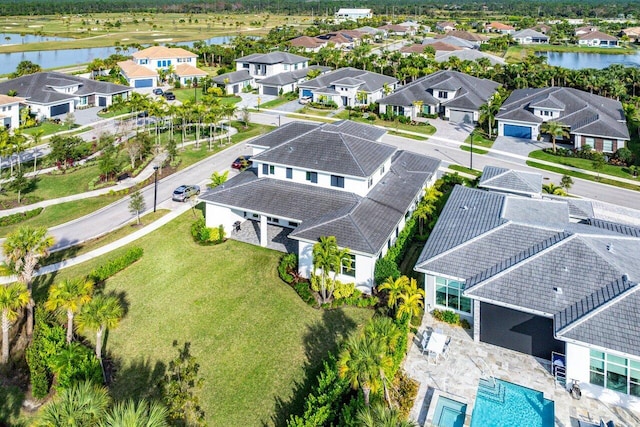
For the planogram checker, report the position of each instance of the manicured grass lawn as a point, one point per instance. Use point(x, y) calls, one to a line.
point(479, 139)
point(49, 128)
point(619, 171)
point(189, 94)
point(581, 175)
point(280, 100)
point(426, 129)
point(467, 148)
point(464, 169)
point(256, 341)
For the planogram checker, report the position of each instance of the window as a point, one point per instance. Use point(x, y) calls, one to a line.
point(443, 94)
point(265, 169)
point(349, 265)
point(614, 372)
point(546, 113)
point(286, 67)
point(272, 169)
point(590, 142)
point(382, 170)
point(607, 145)
point(370, 183)
point(293, 224)
point(289, 173)
point(337, 181)
point(312, 177)
point(449, 294)
point(144, 61)
point(159, 64)
point(245, 66)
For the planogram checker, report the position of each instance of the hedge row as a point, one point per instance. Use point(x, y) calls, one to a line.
point(19, 217)
point(107, 270)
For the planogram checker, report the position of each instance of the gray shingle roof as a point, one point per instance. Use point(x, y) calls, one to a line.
point(234, 77)
point(503, 179)
point(584, 113)
point(371, 81)
point(282, 134)
point(468, 55)
point(273, 58)
point(528, 32)
point(37, 88)
point(452, 40)
point(289, 77)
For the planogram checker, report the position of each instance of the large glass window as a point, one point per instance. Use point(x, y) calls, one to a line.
point(312, 177)
point(614, 372)
point(449, 294)
point(337, 181)
point(349, 270)
point(607, 145)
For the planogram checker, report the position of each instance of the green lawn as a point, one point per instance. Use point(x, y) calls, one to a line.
point(258, 344)
point(619, 171)
point(585, 176)
point(291, 96)
point(426, 129)
point(189, 94)
point(49, 128)
point(479, 138)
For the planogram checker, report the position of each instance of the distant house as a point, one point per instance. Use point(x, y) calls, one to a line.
point(274, 72)
point(399, 30)
point(543, 28)
point(418, 48)
point(468, 55)
point(465, 35)
point(597, 39)
point(346, 14)
point(49, 94)
point(633, 33)
point(374, 33)
point(343, 39)
point(584, 30)
point(180, 62)
point(348, 87)
point(445, 26)
point(529, 36)
point(499, 27)
point(450, 40)
point(309, 44)
point(10, 111)
point(591, 120)
point(234, 82)
point(451, 94)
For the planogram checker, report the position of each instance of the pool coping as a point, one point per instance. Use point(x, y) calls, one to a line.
point(434, 402)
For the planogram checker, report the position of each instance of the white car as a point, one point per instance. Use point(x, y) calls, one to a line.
point(305, 99)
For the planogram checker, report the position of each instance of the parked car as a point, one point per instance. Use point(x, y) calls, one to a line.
point(305, 99)
point(169, 96)
point(158, 91)
point(143, 114)
point(184, 192)
point(242, 163)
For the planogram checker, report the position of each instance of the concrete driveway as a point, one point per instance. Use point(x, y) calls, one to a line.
point(450, 130)
point(289, 107)
point(84, 116)
point(518, 146)
point(251, 100)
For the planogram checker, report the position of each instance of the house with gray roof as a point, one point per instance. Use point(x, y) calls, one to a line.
point(541, 275)
point(311, 180)
point(468, 55)
point(530, 36)
point(453, 95)
point(348, 87)
point(591, 120)
point(49, 94)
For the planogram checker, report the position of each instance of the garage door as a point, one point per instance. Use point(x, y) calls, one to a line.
point(460, 116)
point(102, 101)
point(518, 331)
point(306, 93)
point(270, 90)
point(144, 83)
point(517, 131)
point(57, 110)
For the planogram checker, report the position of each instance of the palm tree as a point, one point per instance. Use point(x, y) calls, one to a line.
point(229, 111)
point(81, 405)
point(551, 188)
point(132, 413)
point(566, 183)
point(556, 130)
point(394, 289)
point(411, 300)
point(100, 314)
point(23, 250)
point(326, 258)
point(427, 206)
point(379, 415)
point(13, 297)
point(69, 295)
point(363, 362)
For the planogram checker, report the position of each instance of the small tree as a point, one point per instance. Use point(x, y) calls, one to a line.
point(218, 178)
point(566, 182)
point(20, 183)
point(556, 130)
point(180, 386)
point(13, 298)
point(245, 116)
point(137, 205)
point(598, 163)
point(69, 120)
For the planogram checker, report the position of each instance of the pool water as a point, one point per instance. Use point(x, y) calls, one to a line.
point(506, 404)
point(449, 413)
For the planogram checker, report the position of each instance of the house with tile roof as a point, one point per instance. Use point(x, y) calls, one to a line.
point(591, 120)
point(10, 111)
point(445, 26)
point(399, 30)
point(48, 93)
point(474, 38)
point(144, 67)
point(348, 87)
point(597, 39)
point(453, 95)
point(530, 36)
point(341, 39)
point(633, 33)
point(453, 41)
point(499, 27)
point(542, 28)
point(311, 180)
point(584, 30)
point(540, 274)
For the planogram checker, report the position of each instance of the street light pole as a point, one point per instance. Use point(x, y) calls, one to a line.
point(155, 187)
point(278, 120)
point(471, 153)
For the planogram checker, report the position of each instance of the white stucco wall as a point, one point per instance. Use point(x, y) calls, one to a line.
point(11, 113)
point(216, 215)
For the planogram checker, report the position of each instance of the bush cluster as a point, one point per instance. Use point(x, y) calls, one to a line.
point(387, 266)
point(107, 270)
point(206, 235)
point(19, 217)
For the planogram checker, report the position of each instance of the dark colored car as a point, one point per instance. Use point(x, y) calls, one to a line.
point(184, 192)
point(169, 96)
point(158, 91)
point(143, 114)
point(242, 163)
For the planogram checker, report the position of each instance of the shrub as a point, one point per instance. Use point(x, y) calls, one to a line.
point(404, 392)
point(446, 316)
point(216, 235)
point(624, 156)
point(288, 265)
point(75, 363)
point(47, 342)
point(384, 269)
point(107, 270)
point(19, 217)
point(302, 288)
point(343, 290)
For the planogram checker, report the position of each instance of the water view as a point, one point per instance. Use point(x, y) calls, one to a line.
point(15, 38)
point(577, 60)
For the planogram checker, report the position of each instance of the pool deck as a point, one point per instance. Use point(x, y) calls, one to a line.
point(457, 377)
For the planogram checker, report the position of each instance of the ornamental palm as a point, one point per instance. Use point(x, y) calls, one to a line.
point(363, 363)
point(13, 297)
point(23, 250)
point(379, 415)
point(130, 413)
point(394, 289)
point(411, 300)
point(326, 258)
point(81, 405)
point(100, 314)
point(69, 295)
point(556, 130)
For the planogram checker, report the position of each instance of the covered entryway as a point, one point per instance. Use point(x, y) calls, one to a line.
point(277, 236)
point(57, 110)
point(519, 331)
point(270, 90)
point(517, 131)
point(143, 83)
point(457, 116)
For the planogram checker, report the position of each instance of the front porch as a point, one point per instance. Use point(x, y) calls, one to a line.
point(277, 237)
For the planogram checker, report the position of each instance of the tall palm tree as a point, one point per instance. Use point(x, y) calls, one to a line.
point(13, 298)
point(363, 362)
point(411, 300)
point(556, 130)
point(394, 289)
point(379, 415)
point(229, 111)
point(326, 258)
point(100, 314)
point(83, 404)
point(130, 413)
point(69, 295)
point(23, 250)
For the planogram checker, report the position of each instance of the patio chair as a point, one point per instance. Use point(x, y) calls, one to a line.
point(432, 358)
point(445, 351)
point(423, 343)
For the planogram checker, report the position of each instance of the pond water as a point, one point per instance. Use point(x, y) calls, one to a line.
point(578, 60)
point(15, 38)
point(71, 57)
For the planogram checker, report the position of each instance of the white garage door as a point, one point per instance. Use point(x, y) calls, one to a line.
point(460, 116)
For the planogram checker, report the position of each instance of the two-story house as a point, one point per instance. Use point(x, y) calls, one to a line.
point(348, 14)
point(348, 87)
point(313, 180)
point(590, 119)
point(48, 94)
point(10, 111)
point(453, 95)
point(143, 70)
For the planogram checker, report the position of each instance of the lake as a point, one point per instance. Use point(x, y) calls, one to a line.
point(71, 57)
point(15, 38)
point(578, 60)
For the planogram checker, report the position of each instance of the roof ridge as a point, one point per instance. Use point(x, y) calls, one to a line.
point(525, 255)
point(346, 144)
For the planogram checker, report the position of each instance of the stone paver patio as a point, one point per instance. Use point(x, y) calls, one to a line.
point(458, 375)
point(278, 237)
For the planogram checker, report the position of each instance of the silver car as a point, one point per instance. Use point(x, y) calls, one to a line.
point(184, 192)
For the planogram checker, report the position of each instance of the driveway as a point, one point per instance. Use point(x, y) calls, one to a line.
point(251, 100)
point(449, 130)
point(289, 107)
point(519, 146)
point(85, 116)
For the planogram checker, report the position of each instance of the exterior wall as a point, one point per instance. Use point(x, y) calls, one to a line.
point(11, 113)
point(216, 215)
point(551, 114)
point(535, 128)
point(597, 143)
point(152, 64)
point(450, 94)
point(260, 71)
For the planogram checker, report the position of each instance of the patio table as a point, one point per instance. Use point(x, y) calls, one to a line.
point(436, 343)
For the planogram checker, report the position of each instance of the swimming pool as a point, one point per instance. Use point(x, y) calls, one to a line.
point(506, 404)
point(449, 413)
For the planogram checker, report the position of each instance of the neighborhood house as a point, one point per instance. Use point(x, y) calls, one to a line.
point(10, 111)
point(147, 65)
